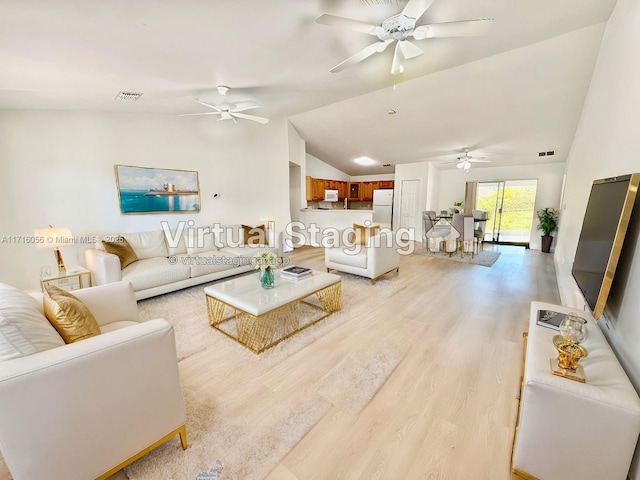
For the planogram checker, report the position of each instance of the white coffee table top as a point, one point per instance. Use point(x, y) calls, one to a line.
point(246, 294)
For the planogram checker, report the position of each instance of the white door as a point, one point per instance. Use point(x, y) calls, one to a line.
point(410, 206)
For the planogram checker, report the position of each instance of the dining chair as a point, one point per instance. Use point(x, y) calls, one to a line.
point(427, 223)
point(431, 213)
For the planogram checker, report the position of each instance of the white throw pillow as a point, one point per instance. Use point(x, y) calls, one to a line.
point(23, 329)
point(147, 244)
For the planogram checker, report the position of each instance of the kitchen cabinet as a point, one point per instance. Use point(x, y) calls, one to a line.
point(309, 185)
point(386, 183)
point(366, 191)
point(354, 190)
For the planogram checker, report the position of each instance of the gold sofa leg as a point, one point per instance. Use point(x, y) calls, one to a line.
point(183, 437)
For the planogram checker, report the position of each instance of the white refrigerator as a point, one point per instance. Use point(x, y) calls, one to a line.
point(382, 207)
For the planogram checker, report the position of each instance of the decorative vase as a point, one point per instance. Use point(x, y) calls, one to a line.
point(267, 278)
point(573, 328)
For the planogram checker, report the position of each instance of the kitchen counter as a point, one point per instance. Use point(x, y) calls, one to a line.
point(315, 221)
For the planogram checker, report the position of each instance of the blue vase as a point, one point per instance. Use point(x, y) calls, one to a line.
point(267, 278)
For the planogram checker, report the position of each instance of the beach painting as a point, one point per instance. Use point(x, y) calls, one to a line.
point(157, 190)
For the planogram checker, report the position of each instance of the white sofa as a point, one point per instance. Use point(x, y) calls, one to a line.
point(379, 256)
point(164, 267)
point(85, 409)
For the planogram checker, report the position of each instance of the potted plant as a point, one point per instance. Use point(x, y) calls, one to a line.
point(548, 223)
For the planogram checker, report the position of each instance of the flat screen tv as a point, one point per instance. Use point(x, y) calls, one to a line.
point(603, 229)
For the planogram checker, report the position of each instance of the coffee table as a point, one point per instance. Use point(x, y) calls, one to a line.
point(264, 317)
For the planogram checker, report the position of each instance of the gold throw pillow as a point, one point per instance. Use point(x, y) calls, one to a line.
point(68, 315)
point(363, 233)
point(122, 249)
point(254, 235)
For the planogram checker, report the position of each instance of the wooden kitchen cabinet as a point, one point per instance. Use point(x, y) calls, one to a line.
point(318, 189)
point(309, 185)
point(386, 183)
point(366, 191)
point(343, 187)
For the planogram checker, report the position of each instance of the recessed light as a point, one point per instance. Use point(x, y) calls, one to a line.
point(365, 161)
point(391, 112)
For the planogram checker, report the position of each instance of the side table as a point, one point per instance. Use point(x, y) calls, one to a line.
point(73, 278)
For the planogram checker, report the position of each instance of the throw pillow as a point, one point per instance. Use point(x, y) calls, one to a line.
point(68, 315)
point(363, 233)
point(122, 249)
point(255, 235)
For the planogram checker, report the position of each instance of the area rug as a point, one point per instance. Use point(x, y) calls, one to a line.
point(186, 310)
point(248, 443)
point(485, 258)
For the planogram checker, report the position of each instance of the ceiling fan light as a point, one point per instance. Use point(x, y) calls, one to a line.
point(467, 165)
point(460, 165)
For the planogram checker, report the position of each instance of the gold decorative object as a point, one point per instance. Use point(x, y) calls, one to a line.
point(569, 354)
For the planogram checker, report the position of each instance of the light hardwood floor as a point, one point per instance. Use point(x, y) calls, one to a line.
point(448, 410)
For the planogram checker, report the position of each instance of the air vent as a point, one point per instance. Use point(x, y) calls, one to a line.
point(128, 96)
point(551, 152)
point(542, 154)
point(547, 154)
point(386, 165)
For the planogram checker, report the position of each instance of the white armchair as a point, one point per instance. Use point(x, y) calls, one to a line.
point(380, 255)
point(87, 409)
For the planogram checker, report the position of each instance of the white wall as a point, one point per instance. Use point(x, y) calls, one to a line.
point(297, 172)
point(316, 168)
point(549, 176)
point(372, 178)
point(57, 167)
point(606, 144)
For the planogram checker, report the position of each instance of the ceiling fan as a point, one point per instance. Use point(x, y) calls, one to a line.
point(402, 27)
point(228, 110)
point(466, 160)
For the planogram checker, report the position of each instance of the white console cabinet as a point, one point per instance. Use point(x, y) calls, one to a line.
point(571, 430)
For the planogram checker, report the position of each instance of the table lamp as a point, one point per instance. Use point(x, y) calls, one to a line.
point(54, 238)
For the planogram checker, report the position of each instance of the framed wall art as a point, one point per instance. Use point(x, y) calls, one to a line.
point(157, 190)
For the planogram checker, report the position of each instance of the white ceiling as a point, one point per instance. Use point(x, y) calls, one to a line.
point(507, 95)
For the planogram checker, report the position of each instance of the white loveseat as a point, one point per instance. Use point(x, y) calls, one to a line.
point(378, 256)
point(171, 260)
point(85, 409)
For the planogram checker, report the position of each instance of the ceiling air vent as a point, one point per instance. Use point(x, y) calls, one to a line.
point(128, 96)
point(386, 164)
point(551, 152)
point(547, 154)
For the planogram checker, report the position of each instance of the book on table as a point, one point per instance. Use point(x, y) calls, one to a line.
point(550, 319)
point(295, 272)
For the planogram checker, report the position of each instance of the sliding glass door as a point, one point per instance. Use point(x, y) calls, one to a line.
point(510, 207)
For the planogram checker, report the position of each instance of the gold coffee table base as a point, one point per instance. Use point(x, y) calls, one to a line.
point(265, 331)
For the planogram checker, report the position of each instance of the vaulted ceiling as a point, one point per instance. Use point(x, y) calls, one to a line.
point(506, 95)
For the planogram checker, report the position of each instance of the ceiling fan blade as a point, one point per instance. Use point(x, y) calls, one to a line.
point(206, 104)
point(416, 8)
point(469, 28)
point(355, 25)
point(478, 161)
point(248, 105)
point(203, 113)
point(409, 50)
point(250, 117)
point(396, 65)
point(366, 52)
